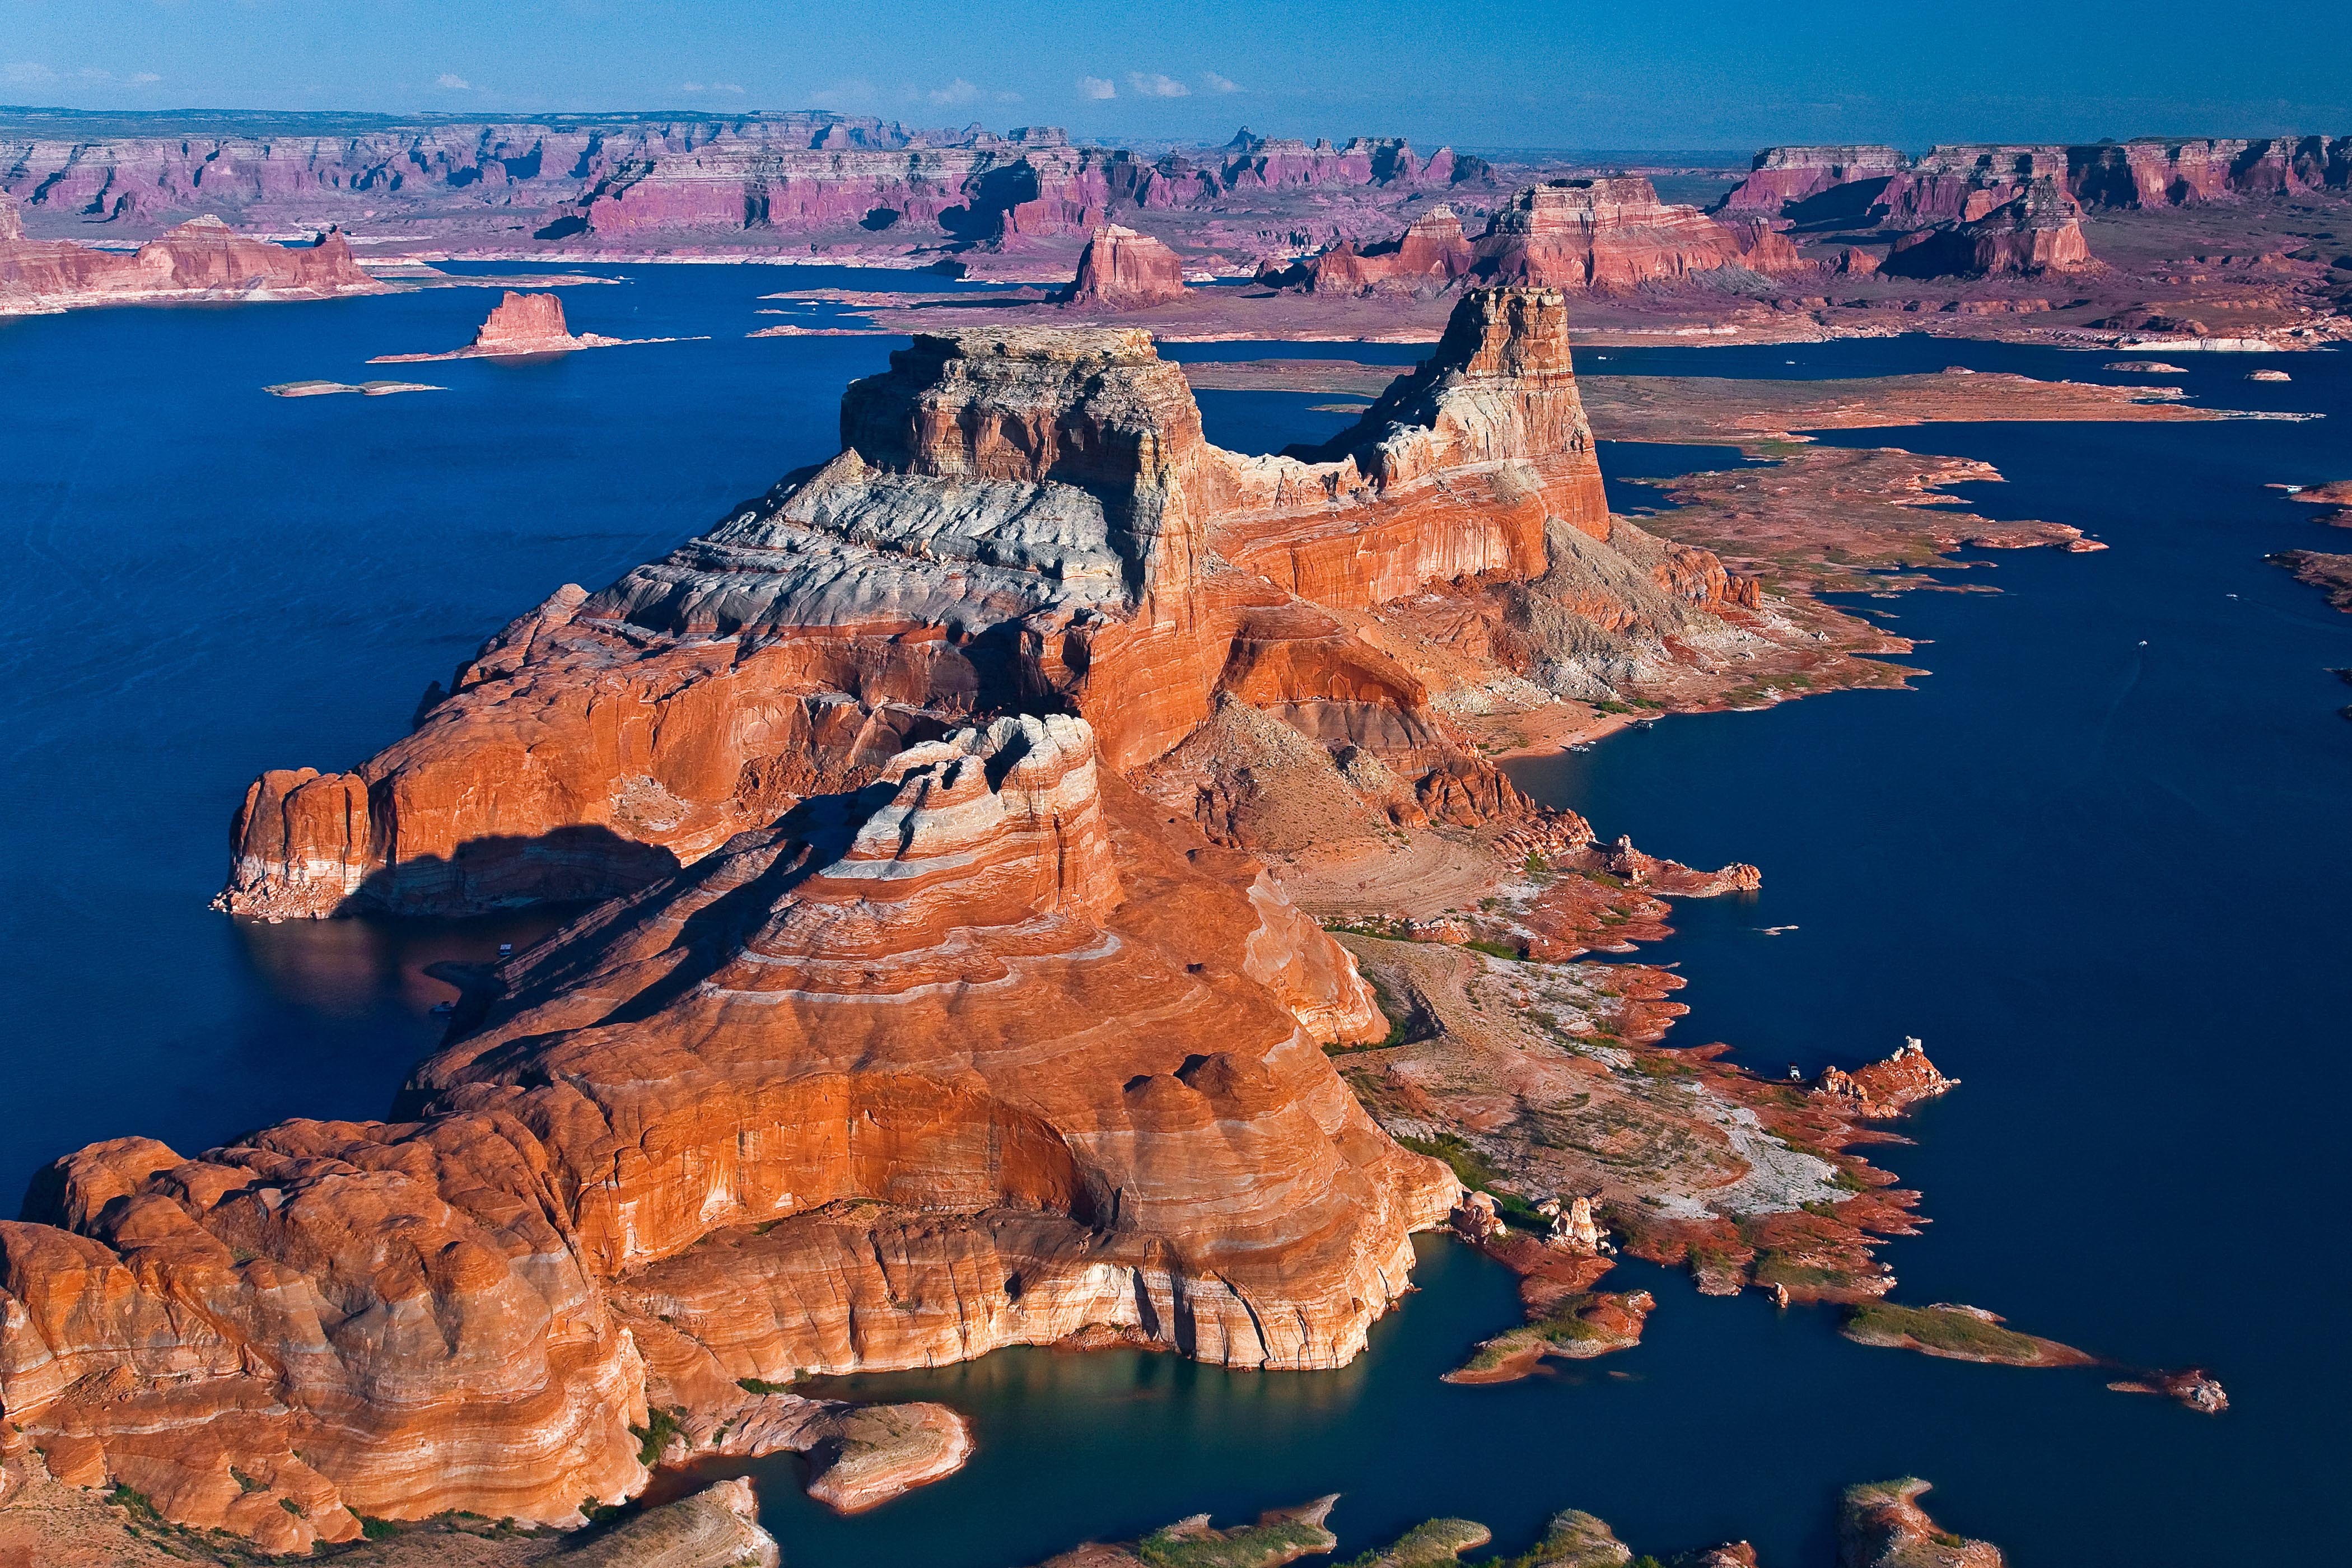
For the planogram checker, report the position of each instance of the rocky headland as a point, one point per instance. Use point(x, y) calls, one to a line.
point(1882, 1525)
point(203, 260)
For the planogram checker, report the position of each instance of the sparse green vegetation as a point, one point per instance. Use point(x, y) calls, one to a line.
point(1430, 1544)
point(652, 1437)
point(761, 1385)
point(1944, 1330)
point(1251, 1546)
point(1471, 1169)
point(1493, 949)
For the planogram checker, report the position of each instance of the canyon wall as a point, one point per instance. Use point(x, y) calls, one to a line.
point(631, 180)
point(1964, 181)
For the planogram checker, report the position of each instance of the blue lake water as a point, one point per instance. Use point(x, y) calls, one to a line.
point(2105, 881)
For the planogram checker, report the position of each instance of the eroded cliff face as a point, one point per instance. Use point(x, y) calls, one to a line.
point(1020, 520)
point(1614, 234)
point(989, 1052)
point(1604, 235)
point(1941, 183)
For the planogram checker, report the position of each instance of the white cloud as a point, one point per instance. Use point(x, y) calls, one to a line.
point(27, 71)
point(956, 91)
point(842, 94)
point(1216, 83)
point(712, 87)
point(1158, 86)
point(1006, 97)
point(454, 82)
point(91, 73)
point(1095, 87)
point(145, 79)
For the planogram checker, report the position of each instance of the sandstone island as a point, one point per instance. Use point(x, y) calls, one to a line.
point(956, 812)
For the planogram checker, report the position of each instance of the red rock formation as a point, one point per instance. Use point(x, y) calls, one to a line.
point(524, 324)
point(1883, 1526)
point(1885, 1089)
point(2038, 230)
point(866, 1090)
point(201, 259)
point(1123, 270)
point(1943, 184)
point(1431, 255)
point(1783, 175)
point(1018, 518)
point(1614, 234)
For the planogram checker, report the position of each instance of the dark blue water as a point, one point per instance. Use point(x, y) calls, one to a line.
point(199, 581)
point(2106, 882)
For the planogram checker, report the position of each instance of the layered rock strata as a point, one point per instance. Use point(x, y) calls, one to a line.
point(2038, 230)
point(1605, 235)
point(988, 1053)
point(203, 260)
point(627, 181)
point(1018, 519)
point(1123, 270)
point(1943, 183)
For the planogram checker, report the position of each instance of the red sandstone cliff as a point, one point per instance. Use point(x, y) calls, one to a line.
point(2038, 230)
point(1614, 234)
point(1588, 234)
point(1431, 255)
point(525, 324)
point(988, 1053)
point(1939, 184)
point(201, 259)
point(1123, 270)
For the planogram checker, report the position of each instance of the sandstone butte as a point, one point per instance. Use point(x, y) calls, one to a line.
point(1120, 270)
point(1021, 519)
point(520, 325)
point(201, 259)
point(1606, 234)
point(921, 1028)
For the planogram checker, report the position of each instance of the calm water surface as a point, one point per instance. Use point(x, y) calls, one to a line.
point(2105, 880)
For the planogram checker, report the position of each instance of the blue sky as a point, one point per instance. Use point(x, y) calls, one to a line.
point(1696, 74)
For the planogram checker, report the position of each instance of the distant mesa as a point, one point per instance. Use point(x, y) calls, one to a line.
point(1121, 269)
point(1594, 235)
point(520, 325)
point(203, 260)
